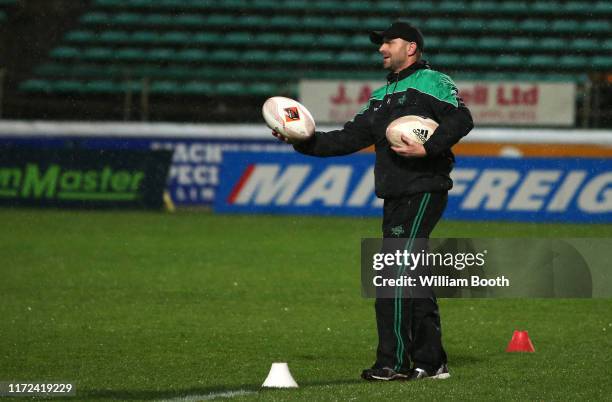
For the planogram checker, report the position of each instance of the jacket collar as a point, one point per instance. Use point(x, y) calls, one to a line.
point(419, 65)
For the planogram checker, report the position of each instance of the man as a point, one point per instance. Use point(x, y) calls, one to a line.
point(413, 179)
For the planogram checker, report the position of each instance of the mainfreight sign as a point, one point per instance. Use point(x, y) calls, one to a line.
point(532, 189)
point(82, 178)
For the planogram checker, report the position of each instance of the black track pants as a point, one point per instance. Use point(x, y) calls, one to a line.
point(409, 328)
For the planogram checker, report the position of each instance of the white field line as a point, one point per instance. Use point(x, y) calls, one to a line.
point(208, 397)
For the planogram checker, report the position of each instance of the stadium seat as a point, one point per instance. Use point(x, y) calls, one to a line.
point(602, 62)
point(500, 25)
point(269, 39)
point(224, 56)
point(319, 57)
point(80, 36)
point(544, 7)
point(238, 38)
point(509, 61)
point(484, 7)
point(129, 54)
point(67, 86)
point(573, 62)
point(205, 38)
point(585, 44)
point(288, 57)
point(553, 44)
point(95, 18)
point(301, 40)
point(545, 61)
point(113, 37)
point(597, 26)
point(565, 26)
point(440, 25)
point(65, 52)
point(478, 60)
point(191, 56)
point(164, 87)
point(458, 42)
point(534, 25)
point(491, 43)
point(257, 56)
point(197, 88)
point(175, 37)
point(145, 37)
point(520, 44)
point(36, 85)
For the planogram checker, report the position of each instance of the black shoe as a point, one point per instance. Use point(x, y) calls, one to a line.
point(383, 374)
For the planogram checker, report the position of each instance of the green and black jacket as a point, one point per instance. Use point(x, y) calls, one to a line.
point(416, 90)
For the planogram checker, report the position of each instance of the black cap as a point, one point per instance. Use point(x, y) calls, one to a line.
point(401, 30)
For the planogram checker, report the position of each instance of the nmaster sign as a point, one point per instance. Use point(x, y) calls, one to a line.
point(562, 190)
point(54, 181)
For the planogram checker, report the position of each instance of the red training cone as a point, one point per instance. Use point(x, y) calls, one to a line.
point(520, 342)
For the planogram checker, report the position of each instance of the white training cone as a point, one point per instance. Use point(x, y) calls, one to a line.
point(279, 377)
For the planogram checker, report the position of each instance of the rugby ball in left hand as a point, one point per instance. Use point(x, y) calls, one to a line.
point(289, 118)
point(416, 128)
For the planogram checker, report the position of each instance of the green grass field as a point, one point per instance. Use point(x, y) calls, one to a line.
point(153, 306)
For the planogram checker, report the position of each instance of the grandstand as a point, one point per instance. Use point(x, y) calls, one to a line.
point(205, 51)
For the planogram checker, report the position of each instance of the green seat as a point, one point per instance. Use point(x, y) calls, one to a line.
point(294, 5)
point(553, 44)
point(145, 37)
point(219, 20)
point(197, 88)
point(48, 69)
point(359, 6)
point(513, 7)
point(95, 18)
point(508, 61)
point(565, 26)
point(607, 45)
point(520, 43)
point(265, 5)
point(598, 26)
point(102, 87)
point(230, 89)
point(238, 38)
point(316, 22)
point(251, 21)
point(432, 42)
point(478, 60)
point(302, 40)
point(205, 38)
point(329, 6)
point(35, 85)
point(127, 19)
point(573, 62)
point(80, 36)
point(339, 41)
point(178, 72)
point(284, 21)
point(257, 56)
point(189, 20)
point(65, 52)
point(352, 58)
point(130, 54)
point(191, 56)
point(602, 62)
point(483, 7)
point(224, 56)
point(491, 43)
point(98, 53)
point(156, 20)
point(375, 23)
point(534, 25)
point(109, 3)
point(451, 7)
point(545, 7)
point(602, 7)
point(269, 39)
point(446, 59)
point(471, 24)
point(164, 87)
point(288, 57)
point(418, 7)
point(500, 25)
point(576, 7)
point(346, 23)
point(392, 6)
point(440, 24)
point(114, 37)
point(67, 86)
point(358, 41)
point(318, 57)
point(175, 37)
point(543, 61)
point(160, 54)
point(585, 44)
point(458, 42)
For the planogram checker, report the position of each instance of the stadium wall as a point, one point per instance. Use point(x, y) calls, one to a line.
point(508, 174)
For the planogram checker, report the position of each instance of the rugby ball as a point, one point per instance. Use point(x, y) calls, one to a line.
point(415, 128)
point(289, 118)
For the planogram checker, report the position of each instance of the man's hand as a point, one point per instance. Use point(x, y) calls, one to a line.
point(410, 149)
point(280, 137)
